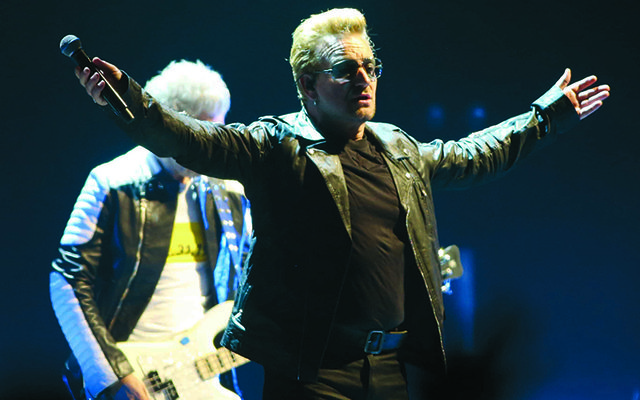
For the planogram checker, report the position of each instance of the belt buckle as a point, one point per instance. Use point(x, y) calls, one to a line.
point(374, 342)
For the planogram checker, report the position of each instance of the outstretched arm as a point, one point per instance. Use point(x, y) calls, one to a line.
point(584, 99)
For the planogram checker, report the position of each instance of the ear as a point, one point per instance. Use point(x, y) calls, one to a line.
point(308, 86)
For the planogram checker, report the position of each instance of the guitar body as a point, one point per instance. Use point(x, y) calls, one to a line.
point(188, 365)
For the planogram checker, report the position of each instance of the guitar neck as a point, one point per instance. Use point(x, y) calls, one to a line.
point(218, 363)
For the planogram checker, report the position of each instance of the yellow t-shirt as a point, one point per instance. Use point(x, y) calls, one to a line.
point(178, 300)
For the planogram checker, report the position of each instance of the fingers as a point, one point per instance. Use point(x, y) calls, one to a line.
point(583, 83)
point(589, 109)
point(93, 84)
point(564, 79)
point(94, 87)
point(103, 65)
point(110, 71)
point(591, 100)
point(586, 100)
point(578, 86)
point(599, 93)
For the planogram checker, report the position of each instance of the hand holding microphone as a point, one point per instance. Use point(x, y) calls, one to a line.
point(93, 79)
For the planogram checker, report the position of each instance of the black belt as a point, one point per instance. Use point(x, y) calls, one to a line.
point(348, 343)
point(379, 341)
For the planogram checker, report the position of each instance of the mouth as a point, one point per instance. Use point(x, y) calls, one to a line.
point(364, 98)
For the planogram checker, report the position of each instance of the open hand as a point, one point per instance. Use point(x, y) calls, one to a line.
point(586, 101)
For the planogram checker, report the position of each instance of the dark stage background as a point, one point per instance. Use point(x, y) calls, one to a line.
point(551, 301)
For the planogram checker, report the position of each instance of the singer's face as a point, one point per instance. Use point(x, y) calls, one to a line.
point(351, 99)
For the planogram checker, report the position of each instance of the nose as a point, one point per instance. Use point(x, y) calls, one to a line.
point(362, 77)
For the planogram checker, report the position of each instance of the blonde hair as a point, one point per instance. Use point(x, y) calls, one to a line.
point(313, 33)
point(191, 87)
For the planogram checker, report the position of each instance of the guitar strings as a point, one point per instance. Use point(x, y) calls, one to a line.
point(184, 371)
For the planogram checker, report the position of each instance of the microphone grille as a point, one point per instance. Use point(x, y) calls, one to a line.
point(69, 45)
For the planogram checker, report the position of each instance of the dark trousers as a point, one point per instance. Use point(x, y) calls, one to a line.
point(374, 377)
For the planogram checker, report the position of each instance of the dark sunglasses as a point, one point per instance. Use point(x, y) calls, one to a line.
point(346, 70)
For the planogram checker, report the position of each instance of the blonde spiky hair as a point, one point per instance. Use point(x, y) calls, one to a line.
point(310, 37)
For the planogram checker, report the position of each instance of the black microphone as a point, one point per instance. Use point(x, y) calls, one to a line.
point(71, 47)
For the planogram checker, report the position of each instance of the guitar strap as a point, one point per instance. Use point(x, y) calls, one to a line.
point(230, 248)
point(231, 243)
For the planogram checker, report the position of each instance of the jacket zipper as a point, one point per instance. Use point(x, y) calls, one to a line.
point(143, 218)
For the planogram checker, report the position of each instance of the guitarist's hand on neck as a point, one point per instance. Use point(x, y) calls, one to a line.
point(132, 389)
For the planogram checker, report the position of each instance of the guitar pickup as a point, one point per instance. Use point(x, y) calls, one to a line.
point(156, 385)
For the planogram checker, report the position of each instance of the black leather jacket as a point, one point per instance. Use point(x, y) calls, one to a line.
point(291, 285)
point(112, 253)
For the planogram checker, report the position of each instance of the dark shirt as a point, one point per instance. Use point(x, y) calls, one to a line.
point(373, 294)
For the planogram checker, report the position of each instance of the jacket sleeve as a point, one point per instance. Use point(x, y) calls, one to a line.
point(233, 151)
point(73, 286)
point(490, 153)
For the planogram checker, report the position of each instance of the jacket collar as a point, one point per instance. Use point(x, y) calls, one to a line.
point(385, 134)
point(390, 138)
point(303, 126)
